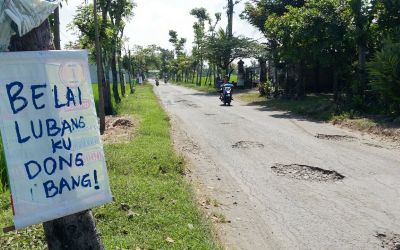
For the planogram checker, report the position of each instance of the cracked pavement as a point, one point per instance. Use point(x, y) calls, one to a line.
point(268, 211)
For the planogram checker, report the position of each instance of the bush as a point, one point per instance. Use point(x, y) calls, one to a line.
point(265, 88)
point(384, 73)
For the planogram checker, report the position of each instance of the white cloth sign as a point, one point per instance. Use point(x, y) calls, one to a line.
point(51, 138)
point(25, 14)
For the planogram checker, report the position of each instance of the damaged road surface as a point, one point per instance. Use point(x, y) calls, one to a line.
point(276, 185)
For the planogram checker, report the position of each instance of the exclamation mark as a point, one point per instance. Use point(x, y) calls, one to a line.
point(96, 182)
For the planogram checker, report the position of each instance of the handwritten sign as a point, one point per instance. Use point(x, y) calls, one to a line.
point(50, 132)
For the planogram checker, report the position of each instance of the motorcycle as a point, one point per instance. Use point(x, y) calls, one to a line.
point(226, 94)
point(157, 83)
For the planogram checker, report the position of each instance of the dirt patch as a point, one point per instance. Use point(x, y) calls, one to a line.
point(119, 129)
point(389, 241)
point(247, 145)
point(389, 131)
point(335, 137)
point(306, 173)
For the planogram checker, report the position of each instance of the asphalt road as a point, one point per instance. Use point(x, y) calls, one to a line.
point(241, 156)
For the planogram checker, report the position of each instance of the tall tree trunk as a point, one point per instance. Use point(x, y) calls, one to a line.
point(208, 74)
point(201, 73)
point(263, 70)
point(57, 39)
point(132, 72)
point(115, 74)
point(197, 74)
point(121, 74)
point(107, 88)
point(75, 231)
point(100, 74)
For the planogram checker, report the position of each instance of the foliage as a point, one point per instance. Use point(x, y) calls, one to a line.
point(265, 88)
point(384, 73)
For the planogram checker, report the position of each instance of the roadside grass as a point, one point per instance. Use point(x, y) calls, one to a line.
point(205, 88)
point(320, 107)
point(153, 205)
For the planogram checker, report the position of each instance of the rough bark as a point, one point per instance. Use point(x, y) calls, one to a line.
point(37, 39)
point(75, 231)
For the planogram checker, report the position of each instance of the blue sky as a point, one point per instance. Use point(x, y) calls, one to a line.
point(154, 18)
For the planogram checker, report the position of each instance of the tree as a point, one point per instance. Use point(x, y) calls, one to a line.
point(119, 12)
point(84, 23)
point(384, 72)
point(75, 231)
point(224, 50)
point(202, 16)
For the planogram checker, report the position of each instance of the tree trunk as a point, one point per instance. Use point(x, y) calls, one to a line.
point(107, 88)
point(100, 74)
point(263, 70)
point(115, 75)
point(77, 231)
point(201, 73)
point(106, 81)
point(57, 40)
point(121, 74)
point(131, 71)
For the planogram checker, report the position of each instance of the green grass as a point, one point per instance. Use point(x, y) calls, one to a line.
point(146, 174)
point(315, 106)
point(204, 88)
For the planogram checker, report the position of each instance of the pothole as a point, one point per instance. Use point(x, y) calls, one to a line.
point(373, 145)
point(209, 114)
point(192, 105)
point(226, 123)
point(389, 241)
point(307, 173)
point(335, 137)
point(247, 145)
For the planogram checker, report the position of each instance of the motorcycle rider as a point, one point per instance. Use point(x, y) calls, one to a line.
point(222, 86)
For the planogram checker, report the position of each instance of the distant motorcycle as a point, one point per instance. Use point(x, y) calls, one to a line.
point(157, 82)
point(226, 94)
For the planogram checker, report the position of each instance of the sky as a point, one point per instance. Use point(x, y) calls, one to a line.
point(154, 18)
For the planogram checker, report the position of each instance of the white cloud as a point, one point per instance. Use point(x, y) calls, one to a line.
point(154, 18)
